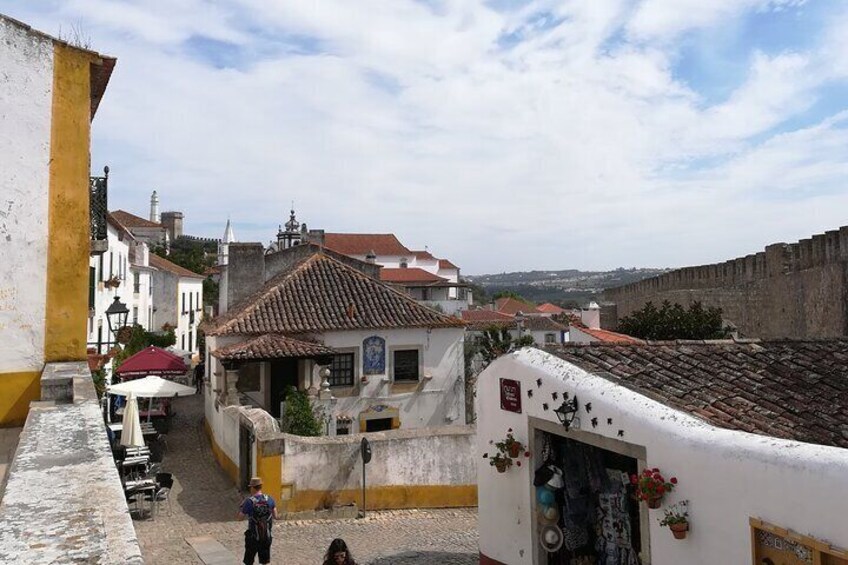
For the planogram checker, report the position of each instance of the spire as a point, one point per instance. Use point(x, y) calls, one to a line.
point(154, 208)
point(229, 236)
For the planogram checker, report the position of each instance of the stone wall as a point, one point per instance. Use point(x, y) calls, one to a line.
point(788, 290)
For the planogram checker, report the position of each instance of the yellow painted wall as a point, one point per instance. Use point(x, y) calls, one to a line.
point(230, 468)
point(17, 390)
point(386, 497)
point(270, 470)
point(68, 209)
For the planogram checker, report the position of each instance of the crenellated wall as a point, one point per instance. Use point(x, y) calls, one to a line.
point(788, 290)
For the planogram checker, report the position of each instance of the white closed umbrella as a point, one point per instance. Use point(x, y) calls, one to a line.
point(151, 387)
point(131, 433)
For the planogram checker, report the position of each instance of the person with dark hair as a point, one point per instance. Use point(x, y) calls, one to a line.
point(338, 554)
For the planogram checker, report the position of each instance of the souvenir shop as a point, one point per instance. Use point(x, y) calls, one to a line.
point(586, 509)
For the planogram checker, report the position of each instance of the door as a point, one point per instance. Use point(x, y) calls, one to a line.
point(245, 456)
point(283, 375)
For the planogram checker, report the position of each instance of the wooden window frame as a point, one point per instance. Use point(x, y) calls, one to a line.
point(352, 383)
point(819, 548)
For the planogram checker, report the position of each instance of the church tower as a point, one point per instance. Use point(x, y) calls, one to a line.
point(224, 246)
point(291, 236)
point(154, 207)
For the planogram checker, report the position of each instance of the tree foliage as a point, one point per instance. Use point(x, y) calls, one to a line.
point(139, 339)
point(673, 321)
point(497, 341)
point(509, 294)
point(300, 418)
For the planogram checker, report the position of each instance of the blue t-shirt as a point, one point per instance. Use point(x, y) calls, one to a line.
point(247, 509)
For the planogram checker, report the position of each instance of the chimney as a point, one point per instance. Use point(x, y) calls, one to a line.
point(154, 207)
point(591, 316)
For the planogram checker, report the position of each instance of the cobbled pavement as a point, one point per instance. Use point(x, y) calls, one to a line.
point(204, 502)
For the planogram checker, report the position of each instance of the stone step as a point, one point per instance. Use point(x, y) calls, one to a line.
point(211, 551)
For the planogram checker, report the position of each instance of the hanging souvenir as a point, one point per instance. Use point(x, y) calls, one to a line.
point(550, 537)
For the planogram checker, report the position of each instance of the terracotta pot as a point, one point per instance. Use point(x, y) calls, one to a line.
point(655, 502)
point(515, 449)
point(679, 530)
point(501, 467)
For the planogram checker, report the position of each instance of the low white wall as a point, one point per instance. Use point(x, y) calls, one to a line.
point(727, 476)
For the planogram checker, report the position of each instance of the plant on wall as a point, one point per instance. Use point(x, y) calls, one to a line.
point(677, 519)
point(509, 452)
point(651, 486)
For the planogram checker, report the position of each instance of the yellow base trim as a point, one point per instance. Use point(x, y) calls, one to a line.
point(17, 390)
point(230, 468)
point(270, 470)
point(387, 497)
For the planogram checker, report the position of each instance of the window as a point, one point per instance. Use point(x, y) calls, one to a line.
point(111, 259)
point(135, 315)
point(550, 338)
point(197, 301)
point(100, 264)
point(190, 302)
point(406, 365)
point(341, 370)
point(190, 342)
point(182, 342)
point(136, 282)
point(184, 309)
point(91, 284)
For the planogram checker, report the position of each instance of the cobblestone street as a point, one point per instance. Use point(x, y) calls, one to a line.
point(205, 503)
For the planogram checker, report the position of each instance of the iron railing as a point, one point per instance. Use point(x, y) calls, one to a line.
point(99, 205)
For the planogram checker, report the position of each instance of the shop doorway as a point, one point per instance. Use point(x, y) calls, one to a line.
point(593, 506)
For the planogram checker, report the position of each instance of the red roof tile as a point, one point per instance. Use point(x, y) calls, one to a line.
point(424, 255)
point(364, 243)
point(549, 308)
point(409, 275)
point(164, 265)
point(513, 306)
point(272, 346)
point(322, 294)
point(608, 336)
point(132, 221)
point(445, 264)
point(486, 316)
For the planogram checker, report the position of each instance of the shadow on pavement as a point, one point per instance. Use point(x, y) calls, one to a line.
point(427, 558)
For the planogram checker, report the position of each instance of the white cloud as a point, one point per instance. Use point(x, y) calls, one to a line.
point(552, 135)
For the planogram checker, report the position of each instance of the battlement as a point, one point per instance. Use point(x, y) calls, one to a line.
point(776, 260)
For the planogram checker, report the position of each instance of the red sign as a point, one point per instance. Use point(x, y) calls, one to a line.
point(511, 395)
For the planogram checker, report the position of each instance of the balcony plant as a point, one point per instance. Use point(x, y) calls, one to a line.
point(677, 519)
point(112, 282)
point(651, 486)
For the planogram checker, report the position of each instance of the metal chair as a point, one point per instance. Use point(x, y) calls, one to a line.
point(162, 494)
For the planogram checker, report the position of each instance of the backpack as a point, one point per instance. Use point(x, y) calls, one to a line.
point(261, 518)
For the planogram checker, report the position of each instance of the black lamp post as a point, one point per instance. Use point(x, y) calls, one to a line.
point(566, 412)
point(116, 316)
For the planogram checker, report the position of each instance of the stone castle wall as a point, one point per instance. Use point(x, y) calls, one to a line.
point(789, 290)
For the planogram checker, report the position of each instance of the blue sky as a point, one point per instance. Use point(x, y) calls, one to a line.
point(502, 135)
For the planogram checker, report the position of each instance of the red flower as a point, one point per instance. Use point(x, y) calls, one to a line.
point(526, 454)
point(633, 479)
point(674, 480)
point(660, 489)
point(655, 470)
point(518, 463)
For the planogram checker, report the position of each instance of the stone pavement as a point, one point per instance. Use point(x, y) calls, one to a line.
point(8, 444)
point(204, 503)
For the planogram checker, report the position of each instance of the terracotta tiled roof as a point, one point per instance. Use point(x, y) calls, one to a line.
point(110, 218)
point(132, 221)
point(606, 335)
point(549, 308)
point(512, 306)
point(271, 346)
point(789, 389)
point(410, 275)
point(321, 294)
point(481, 320)
point(445, 264)
point(165, 265)
point(424, 255)
point(364, 243)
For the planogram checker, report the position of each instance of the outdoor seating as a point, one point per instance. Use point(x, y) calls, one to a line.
point(158, 496)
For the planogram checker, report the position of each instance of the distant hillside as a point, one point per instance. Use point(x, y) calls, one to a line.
point(566, 288)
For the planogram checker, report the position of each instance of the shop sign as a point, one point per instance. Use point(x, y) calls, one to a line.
point(511, 395)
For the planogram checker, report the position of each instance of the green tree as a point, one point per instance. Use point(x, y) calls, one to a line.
point(478, 293)
point(497, 341)
point(673, 321)
point(509, 294)
point(136, 339)
point(300, 418)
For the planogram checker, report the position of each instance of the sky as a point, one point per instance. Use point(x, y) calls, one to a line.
point(503, 134)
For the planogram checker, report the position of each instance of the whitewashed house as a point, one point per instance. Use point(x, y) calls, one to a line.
point(122, 271)
point(754, 433)
point(178, 301)
point(391, 361)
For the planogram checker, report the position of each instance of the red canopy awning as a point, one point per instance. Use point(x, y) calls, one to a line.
point(152, 361)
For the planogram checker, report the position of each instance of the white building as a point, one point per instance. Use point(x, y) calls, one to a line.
point(588, 328)
point(178, 301)
point(755, 434)
point(122, 271)
point(392, 362)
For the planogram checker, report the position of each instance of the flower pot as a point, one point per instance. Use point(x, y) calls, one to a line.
point(515, 450)
point(679, 530)
point(501, 467)
point(655, 502)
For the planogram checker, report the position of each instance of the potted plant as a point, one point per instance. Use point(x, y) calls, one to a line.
point(509, 451)
point(677, 519)
point(651, 486)
point(112, 282)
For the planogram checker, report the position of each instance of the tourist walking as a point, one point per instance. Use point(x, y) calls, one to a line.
point(260, 511)
point(338, 554)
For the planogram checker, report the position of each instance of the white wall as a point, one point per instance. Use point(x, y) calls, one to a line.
point(113, 262)
point(26, 94)
point(435, 402)
point(727, 476)
point(168, 290)
point(190, 297)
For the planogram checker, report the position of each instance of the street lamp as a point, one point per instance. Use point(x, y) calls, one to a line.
point(116, 316)
point(566, 412)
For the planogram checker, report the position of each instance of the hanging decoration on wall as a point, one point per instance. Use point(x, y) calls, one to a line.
point(374, 355)
point(551, 538)
point(509, 451)
point(554, 395)
point(594, 422)
point(588, 407)
point(609, 421)
point(620, 433)
point(652, 487)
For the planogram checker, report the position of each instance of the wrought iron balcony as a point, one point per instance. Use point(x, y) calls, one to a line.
point(98, 210)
